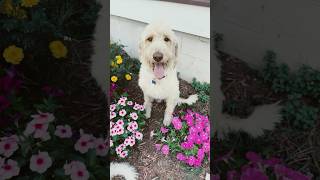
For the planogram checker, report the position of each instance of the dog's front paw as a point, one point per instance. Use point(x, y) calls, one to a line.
point(167, 121)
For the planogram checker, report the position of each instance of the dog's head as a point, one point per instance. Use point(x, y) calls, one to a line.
point(158, 48)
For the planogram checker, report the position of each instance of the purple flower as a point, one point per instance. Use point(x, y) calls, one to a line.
point(204, 136)
point(272, 161)
point(200, 154)
point(164, 130)
point(158, 146)
point(187, 145)
point(189, 119)
point(181, 157)
point(253, 157)
point(4, 103)
point(191, 160)
point(197, 163)
point(192, 137)
point(165, 149)
point(177, 123)
point(192, 130)
point(253, 174)
point(9, 83)
point(206, 147)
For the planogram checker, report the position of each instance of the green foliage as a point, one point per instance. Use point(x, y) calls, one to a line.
point(203, 90)
point(299, 85)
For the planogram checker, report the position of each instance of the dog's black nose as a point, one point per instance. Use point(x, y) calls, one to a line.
point(158, 56)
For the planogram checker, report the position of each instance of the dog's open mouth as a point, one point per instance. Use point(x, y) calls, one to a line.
point(158, 69)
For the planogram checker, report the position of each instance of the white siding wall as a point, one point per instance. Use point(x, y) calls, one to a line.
point(190, 23)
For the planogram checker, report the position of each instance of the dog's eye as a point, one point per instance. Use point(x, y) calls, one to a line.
point(149, 39)
point(166, 39)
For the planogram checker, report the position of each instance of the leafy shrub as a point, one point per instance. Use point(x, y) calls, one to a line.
point(188, 138)
point(297, 85)
point(203, 90)
point(126, 122)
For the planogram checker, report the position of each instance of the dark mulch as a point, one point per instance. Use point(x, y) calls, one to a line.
point(84, 103)
point(243, 88)
point(150, 163)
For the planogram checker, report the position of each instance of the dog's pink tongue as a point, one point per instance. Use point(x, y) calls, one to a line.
point(158, 70)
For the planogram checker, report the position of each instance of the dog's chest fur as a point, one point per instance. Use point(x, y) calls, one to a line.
point(159, 89)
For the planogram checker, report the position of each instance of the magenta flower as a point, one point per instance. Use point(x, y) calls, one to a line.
point(189, 119)
point(181, 157)
point(253, 174)
point(165, 149)
point(187, 145)
point(164, 130)
point(206, 147)
point(177, 123)
point(272, 161)
point(158, 146)
point(200, 154)
point(191, 160)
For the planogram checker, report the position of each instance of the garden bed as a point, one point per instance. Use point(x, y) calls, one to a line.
point(150, 163)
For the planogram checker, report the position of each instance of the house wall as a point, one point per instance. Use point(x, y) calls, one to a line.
point(194, 43)
point(288, 27)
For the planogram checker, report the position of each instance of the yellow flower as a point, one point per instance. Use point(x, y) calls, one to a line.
point(113, 64)
point(13, 54)
point(6, 7)
point(128, 77)
point(29, 3)
point(119, 59)
point(58, 49)
point(114, 78)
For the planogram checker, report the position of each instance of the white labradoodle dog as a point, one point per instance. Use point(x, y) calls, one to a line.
point(158, 51)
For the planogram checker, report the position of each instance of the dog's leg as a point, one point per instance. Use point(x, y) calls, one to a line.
point(148, 105)
point(171, 104)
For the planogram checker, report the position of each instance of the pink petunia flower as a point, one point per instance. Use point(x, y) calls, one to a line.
point(77, 170)
point(101, 147)
point(130, 103)
point(134, 116)
point(120, 122)
point(187, 145)
point(63, 131)
point(141, 108)
point(123, 154)
point(138, 135)
point(129, 141)
point(122, 112)
point(43, 117)
point(38, 127)
point(84, 143)
point(9, 169)
point(112, 107)
point(9, 145)
point(122, 102)
point(133, 125)
point(165, 149)
point(40, 162)
point(164, 130)
point(136, 106)
point(113, 114)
